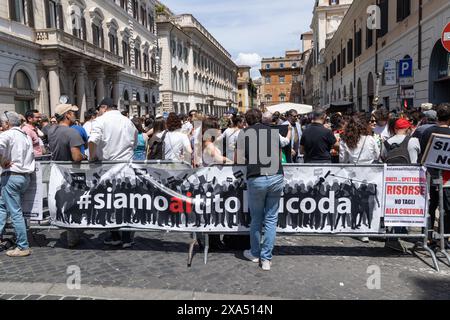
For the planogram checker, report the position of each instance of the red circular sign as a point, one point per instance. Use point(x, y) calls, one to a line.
point(446, 37)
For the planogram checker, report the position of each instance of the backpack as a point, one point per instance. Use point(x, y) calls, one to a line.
point(156, 150)
point(398, 153)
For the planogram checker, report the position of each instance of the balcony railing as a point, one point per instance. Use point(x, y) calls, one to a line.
point(54, 37)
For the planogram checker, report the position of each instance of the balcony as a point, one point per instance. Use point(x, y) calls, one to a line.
point(58, 39)
point(146, 76)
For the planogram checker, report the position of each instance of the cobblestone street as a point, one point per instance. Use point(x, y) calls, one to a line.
point(304, 268)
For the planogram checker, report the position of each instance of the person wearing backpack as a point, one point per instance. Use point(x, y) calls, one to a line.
point(401, 148)
point(155, 145)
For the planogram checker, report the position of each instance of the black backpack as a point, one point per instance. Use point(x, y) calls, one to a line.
point(398, 153)
point(156, 150)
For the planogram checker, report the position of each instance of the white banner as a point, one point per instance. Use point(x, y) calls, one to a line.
point(344, 199)
point(406, 197)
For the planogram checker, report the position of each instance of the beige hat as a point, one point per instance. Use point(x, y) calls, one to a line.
point(426, 106)
point(63, 108)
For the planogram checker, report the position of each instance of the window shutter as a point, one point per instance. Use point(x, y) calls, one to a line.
point(12, 10)
point(30, 13)
point(102, 39)
point(47, 14)
point(399, 10)
point(60, 16)
point(83, 28)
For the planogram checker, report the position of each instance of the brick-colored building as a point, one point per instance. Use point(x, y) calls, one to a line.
point(281, 79)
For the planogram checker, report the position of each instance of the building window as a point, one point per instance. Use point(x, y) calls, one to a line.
point(350, 51)
point(97, 35)
point(294, 65)
point(384, 8)
point(113, 42)
point(268, 80)
point(344, 61)
point(126, 53)
point(123, 4)
point(54, 14)
point(268, 98)
point(151, 22)
point(137, 58)
point(173, 46)
point(403, 9)
point(78, 23)
point(333, 2)
point(369, 38)
point(358, 43)
point(268, 66)
point(282, 97)
point(282, 79)
point(281, 65)
point(146, 62)
point(339, 63)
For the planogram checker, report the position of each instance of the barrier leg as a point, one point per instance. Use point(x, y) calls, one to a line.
point(206, 248)
point(431, 252)
point(191, 249)
point(442, 217)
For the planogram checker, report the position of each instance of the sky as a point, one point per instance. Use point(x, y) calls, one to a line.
point(251, 29)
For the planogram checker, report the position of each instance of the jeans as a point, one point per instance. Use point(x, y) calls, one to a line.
point(264, 200)
point(13, 187)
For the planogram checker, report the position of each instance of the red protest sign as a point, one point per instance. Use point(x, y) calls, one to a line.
point(446, 37)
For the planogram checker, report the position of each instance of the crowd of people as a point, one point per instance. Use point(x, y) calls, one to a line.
point(203, 140)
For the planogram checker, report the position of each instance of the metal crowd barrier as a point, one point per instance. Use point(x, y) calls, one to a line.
point(422, 237)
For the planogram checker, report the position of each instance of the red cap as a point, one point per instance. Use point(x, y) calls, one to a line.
point(402, 124)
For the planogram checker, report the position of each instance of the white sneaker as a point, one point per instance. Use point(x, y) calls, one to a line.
point(266, 264)
point(248, 255)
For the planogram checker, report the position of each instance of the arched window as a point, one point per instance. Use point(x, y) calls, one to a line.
point(24, 98)
point(97, 28)
point(78, 20)
point(126, 50)
point(21, 81)
point(112, 36)
point(282, 97)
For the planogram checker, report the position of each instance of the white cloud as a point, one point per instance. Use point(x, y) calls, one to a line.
point(248, 59)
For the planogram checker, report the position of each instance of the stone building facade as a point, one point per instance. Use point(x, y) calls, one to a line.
point(196, 70)
point(84, 49)
point(358, 57)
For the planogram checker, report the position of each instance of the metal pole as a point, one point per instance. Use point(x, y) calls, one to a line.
point(426, 233)
point(442, 216)
point(206, 248)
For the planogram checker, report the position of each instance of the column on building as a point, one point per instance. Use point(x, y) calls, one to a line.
point(44, 105)
point(81, 90)
point(100, 80)
point(54, 85)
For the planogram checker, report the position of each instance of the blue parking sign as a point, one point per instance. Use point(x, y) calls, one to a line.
point(405, 67)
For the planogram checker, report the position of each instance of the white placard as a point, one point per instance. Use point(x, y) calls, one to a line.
point(390, 72)
point(438, 155)
point(405, 197)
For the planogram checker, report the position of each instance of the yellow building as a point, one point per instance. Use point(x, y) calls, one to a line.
point(244, 94)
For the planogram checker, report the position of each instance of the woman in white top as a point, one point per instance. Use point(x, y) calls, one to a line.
point(211, 153)
point(231, 135)
point(177, 146)
point(357, 145)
